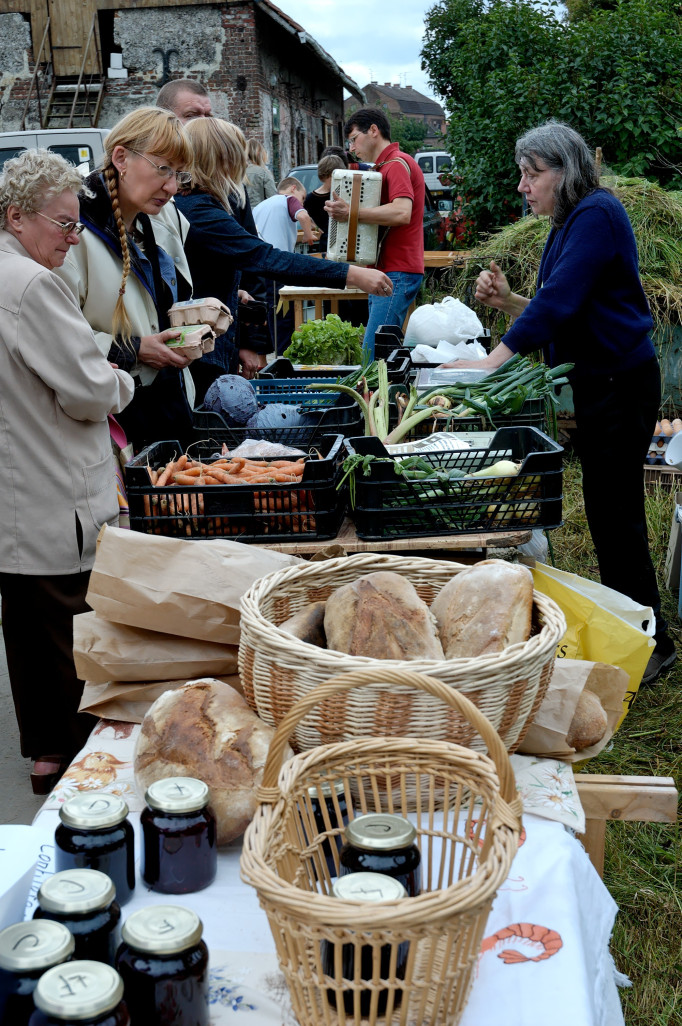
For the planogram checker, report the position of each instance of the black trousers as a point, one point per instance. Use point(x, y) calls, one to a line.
point(615, 418)
point(37, 625)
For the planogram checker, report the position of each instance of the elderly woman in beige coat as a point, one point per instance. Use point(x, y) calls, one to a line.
point(56, 461)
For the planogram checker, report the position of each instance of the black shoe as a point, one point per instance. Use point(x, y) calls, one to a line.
point(660, 660)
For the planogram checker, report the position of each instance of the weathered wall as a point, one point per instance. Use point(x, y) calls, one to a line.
point(15, 46)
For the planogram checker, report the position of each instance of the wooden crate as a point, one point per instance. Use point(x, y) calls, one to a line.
point(664, 476)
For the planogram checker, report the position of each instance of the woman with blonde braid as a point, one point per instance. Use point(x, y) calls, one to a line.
point(130, 268)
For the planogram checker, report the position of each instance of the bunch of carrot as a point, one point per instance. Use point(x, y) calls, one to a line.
point(227, 470)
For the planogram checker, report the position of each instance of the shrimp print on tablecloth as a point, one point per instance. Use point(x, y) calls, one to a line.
point(538, 939)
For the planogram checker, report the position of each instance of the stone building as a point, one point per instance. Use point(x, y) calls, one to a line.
point(404, 101)
point(263, 70)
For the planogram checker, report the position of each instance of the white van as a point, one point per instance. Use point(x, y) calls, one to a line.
point(432, 162)
point(84, 147)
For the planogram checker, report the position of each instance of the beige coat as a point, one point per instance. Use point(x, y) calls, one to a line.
point(93, 272)
point(56, 390)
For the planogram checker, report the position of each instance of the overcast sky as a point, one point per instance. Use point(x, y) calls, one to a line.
point(372, 40)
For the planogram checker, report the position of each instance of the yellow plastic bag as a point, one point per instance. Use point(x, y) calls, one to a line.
point(602, 625)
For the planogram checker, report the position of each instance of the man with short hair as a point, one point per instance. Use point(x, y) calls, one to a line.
point(186, 98)
point(401, 213)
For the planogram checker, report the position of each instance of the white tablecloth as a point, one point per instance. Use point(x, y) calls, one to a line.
point(545, 956)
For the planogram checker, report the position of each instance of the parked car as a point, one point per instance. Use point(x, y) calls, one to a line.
point(307, 175)
point(84, 147)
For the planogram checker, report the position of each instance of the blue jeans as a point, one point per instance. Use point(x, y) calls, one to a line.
point(391, 309)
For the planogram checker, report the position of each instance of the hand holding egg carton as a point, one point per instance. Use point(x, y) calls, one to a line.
point(199, 321)
point(665, 430)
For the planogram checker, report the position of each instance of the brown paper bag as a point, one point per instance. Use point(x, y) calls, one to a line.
point(175, 585)
point(105, 651)
point(547, 733)
point(129, 702)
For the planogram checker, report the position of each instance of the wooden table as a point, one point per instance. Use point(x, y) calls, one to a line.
point(298, 294)
point(445, 257)
point(438, 545)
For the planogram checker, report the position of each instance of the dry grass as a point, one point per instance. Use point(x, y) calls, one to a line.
point(643, 865)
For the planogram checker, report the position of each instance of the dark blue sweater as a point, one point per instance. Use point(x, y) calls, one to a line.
point(589, 308)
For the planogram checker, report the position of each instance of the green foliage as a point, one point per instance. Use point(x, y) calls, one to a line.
point(507, 65)
point(407, 132)
point(326, 341)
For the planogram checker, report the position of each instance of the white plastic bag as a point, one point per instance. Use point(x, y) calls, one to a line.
point(447, 321)
point(446, 351)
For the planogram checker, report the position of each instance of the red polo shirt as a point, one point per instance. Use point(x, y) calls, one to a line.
point(403, 245)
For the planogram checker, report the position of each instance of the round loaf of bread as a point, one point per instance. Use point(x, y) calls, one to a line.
point(589, 722)
point(206, 730)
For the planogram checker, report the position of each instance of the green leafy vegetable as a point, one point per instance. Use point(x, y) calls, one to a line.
point(326, 341)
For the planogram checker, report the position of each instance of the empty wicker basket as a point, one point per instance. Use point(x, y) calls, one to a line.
point(417, 954)
point(278, 669)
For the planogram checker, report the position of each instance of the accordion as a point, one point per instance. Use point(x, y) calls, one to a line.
point(348, 240)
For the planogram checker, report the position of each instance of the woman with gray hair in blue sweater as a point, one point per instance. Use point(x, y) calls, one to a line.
point(590, 310)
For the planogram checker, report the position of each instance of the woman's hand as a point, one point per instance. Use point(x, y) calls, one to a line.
point(155, 353)
point(250, 363)
point(499, 355)
point(244, 296)
point(376, 283)
point(492, 288)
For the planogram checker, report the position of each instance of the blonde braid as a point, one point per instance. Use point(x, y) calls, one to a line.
point(120, 326)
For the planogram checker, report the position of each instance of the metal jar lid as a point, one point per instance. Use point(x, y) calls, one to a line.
point(78, 990)
point(93, 810)
point(380, 831)
point(177, 794)
point(327, 789)
point(76, 891)
point(368, 887)
point(162, 929)
point(33, 945)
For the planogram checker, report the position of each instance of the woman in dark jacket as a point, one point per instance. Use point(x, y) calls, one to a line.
point(219, 248)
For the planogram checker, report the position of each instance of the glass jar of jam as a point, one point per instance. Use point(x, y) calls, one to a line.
point(179, 836)
point(164, 965)
point(366, 887)
point(26, 951)
point(329, 793)
point(381, 842)
point(80, 993)
point(84, 900)
point(94, 833)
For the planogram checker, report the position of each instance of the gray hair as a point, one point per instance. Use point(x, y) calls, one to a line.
point(32, 179)
point(562, 149)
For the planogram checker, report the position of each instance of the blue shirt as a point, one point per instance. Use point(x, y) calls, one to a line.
point(589, 308)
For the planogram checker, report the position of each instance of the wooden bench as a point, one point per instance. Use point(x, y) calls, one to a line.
point(610, 797)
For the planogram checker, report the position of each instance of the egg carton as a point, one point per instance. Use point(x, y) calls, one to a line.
point(194, 340)
point(201, 311)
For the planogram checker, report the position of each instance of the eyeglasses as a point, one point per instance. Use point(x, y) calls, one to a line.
point(182, 177)
point(352, 138)
point(67, 227)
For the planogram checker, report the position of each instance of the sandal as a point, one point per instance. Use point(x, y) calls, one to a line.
point(47, 770)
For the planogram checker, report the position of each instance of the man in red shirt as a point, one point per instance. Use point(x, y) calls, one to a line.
point(401, 213)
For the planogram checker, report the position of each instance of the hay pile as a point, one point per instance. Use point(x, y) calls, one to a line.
point(656, 217)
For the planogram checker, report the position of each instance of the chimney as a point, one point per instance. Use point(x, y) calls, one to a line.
point(387, 84)
point(409, 87)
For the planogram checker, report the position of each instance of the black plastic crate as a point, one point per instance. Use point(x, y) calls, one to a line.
point(531, 414)
point(313, 508)
point(330, 413)
point(398, 366)
point(387, 505)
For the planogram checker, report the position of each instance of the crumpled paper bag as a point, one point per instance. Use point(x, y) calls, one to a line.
point(105, 651)
point(175, 585)
point(546, 735)
point(130, 702)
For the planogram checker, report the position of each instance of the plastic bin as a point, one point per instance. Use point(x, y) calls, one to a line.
point(332, 413)
point(387, 505)
point(314, 507)
point(398, 366)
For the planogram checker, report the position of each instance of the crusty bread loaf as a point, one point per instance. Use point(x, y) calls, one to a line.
point(206, 730)
point(589, 722)
point(308, 624)
point(484, 609)
point(381, 615)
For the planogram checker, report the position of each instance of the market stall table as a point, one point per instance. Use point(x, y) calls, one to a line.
point(299, 294)
point(544, 957)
